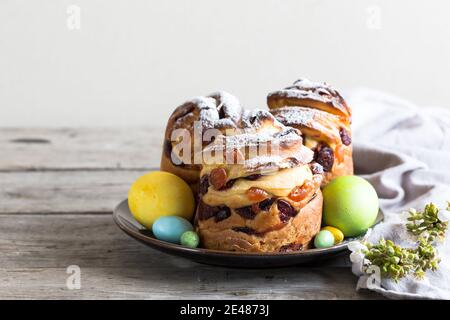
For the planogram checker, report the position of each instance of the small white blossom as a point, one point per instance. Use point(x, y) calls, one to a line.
point(355, 246)
point(356, 257)
point(444, 215)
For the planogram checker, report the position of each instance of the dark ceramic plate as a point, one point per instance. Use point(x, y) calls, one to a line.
point(124, 219)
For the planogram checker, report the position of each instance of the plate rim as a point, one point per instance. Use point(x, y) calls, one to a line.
point(203, 251)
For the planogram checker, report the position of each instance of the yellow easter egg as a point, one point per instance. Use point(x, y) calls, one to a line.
point(158, 194)
point(337, 234)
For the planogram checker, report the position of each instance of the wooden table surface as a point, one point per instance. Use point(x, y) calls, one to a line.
point(57, 191)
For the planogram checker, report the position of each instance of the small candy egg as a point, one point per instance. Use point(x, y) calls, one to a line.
point(324, 239)
point(170, 228)
point(190, 239)
point(337, 234)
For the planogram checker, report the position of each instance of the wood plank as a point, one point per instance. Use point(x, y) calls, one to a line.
point(64, 191)
point(85, 148)
point(36, 250)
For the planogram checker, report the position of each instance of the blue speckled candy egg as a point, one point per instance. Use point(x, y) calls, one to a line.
point(324, 239)
point(170, 228)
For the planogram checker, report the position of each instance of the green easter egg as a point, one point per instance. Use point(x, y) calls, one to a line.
point(350, 204)
point(190, 239)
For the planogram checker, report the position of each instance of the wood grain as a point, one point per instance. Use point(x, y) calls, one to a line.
point(64, 191)
point(36, 250)
point(55, 149)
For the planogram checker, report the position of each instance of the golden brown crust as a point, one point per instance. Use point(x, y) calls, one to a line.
point(269, 233)
point(313, 95)
point(253, 206)
point(323, 117)
point(341, 168)
point(219, 110)
point(264, 149)
point(280, 211)
point(321, 125)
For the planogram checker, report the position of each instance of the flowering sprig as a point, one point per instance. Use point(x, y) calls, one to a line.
point(396, 262)
point(427, 223)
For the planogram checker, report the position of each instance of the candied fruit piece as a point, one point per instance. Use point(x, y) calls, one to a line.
point(257, 194)
point(218, 178)
point(301, 192)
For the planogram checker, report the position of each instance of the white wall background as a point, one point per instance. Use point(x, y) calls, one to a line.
point(132, 61)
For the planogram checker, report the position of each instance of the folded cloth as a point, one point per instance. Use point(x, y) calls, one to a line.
point(404, 151)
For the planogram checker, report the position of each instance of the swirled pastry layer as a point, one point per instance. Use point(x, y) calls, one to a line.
point(277, 184)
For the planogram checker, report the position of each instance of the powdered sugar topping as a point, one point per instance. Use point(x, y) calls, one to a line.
point(303, 89)
point(262, 143)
